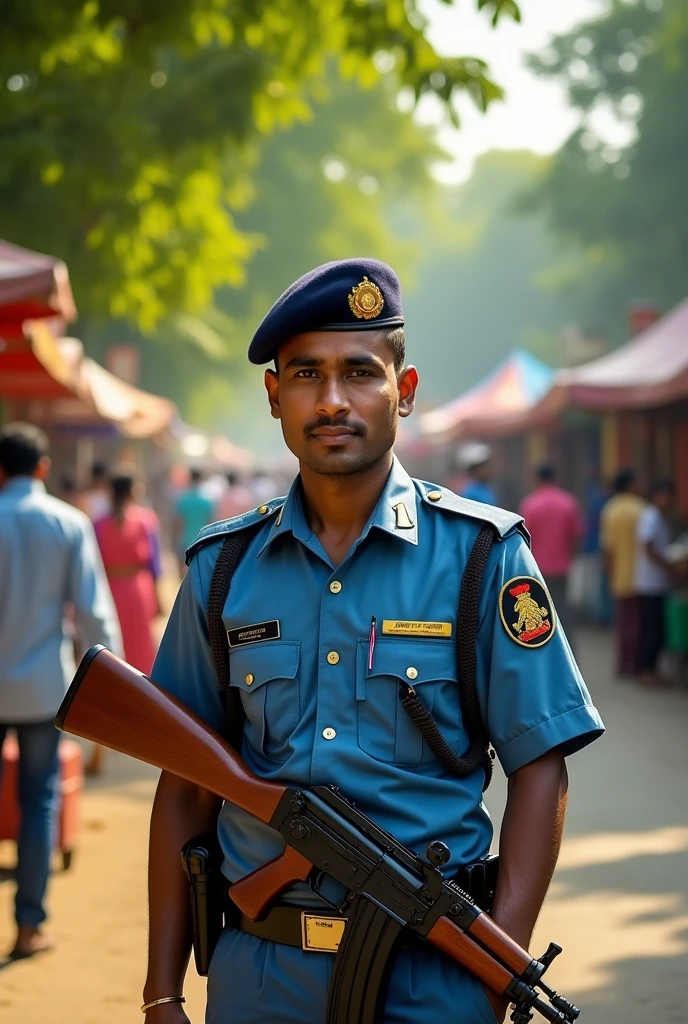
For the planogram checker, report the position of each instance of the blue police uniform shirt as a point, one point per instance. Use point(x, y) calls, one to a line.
point(315, 712)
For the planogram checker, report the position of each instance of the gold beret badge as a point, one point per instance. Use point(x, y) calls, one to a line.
point(365, 300)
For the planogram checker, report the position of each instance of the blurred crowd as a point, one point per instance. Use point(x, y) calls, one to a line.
point(80, 567)
point(620, 557)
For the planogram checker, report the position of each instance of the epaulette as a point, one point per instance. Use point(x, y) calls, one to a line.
point(212, 531)
point(504, 522)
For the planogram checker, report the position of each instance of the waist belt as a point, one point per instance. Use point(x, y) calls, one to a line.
point(312, 930)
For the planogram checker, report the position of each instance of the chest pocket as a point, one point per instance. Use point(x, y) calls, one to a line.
point(266, 675)
point(384, 729)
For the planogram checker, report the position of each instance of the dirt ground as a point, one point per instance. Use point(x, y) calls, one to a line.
point(618, 905)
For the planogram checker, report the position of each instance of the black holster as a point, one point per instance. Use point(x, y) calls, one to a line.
point(202, 860)
point(479, 880)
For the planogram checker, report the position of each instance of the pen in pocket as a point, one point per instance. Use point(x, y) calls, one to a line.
point(371, 643)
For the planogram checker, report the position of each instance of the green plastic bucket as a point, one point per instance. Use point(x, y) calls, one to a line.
point(676, 621)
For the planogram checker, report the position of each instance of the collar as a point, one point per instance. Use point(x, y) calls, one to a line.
point(22, 485)
point(395, 512)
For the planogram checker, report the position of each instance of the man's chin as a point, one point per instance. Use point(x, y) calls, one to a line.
point(336, 461)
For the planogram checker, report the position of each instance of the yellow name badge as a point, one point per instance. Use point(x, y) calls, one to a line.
point(321, 934)
point(404, 627)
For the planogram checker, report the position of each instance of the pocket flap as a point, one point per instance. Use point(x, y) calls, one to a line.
point(427, 660)
point(252, 666)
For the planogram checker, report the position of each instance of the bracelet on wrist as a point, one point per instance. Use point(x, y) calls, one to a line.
point(158, 1002)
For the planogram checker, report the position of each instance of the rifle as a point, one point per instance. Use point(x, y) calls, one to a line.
point(389, 888)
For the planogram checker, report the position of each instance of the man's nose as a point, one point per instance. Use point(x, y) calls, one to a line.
point(332, 398)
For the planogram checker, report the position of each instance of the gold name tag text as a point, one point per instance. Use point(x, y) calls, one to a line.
point(403, 627)
point(321, 934)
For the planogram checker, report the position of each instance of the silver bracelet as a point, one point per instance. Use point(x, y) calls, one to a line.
point(157, 1002)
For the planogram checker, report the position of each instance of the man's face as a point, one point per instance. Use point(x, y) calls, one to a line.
point(338, 396)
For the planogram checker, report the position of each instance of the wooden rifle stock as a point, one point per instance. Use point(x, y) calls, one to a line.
point(114, 704)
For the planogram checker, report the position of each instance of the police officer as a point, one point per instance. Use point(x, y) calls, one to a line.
point(347, 594)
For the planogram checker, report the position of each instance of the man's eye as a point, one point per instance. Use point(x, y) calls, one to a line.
point(360, 373)
point(305, 373)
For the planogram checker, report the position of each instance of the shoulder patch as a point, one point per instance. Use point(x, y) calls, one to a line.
point(213, 531)
point(504, 522)
point(525, 600)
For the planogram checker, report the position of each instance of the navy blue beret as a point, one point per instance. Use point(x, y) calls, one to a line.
point(346, 295)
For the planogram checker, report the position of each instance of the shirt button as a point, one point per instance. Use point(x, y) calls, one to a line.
point(329, 733)
point(333, 658)
point(411, 672)
point(335, 586)
point(249, 678)
point(434, 495)
point(262, 509)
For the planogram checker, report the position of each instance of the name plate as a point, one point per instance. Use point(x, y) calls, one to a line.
point(321, 934)
point(254, 634)
point(405, 627)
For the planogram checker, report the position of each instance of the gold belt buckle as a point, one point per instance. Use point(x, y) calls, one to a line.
point(321, 934)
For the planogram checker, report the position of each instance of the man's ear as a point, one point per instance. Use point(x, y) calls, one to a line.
point(408, 385)
point(272, 388)
point(43, 468)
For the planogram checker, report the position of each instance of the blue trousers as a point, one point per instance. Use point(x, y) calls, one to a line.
point(38, 776)
point(252, 981)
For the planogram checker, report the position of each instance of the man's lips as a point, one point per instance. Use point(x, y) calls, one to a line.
point(333, 435)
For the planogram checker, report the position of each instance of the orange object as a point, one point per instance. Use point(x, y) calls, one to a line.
point(71, 784)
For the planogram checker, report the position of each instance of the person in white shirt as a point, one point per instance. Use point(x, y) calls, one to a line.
point(96, 501)
point(653, 577)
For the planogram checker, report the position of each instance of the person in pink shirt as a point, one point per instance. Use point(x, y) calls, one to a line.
point(553, 518)
point(236, 499)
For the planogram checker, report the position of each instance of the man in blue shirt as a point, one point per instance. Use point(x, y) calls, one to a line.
point(192, 511)
point(345, 598)
point(475, 458)
point(48, 558)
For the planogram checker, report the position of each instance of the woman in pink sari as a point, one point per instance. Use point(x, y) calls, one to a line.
point(130, 546)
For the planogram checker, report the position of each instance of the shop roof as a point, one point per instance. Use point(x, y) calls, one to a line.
point(37, 365)
point(652, 369)
point(490, 406)
point(32, 286)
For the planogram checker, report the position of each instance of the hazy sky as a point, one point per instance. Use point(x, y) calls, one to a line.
point(534, 114)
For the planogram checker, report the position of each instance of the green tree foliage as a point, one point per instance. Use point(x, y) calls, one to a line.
point(478, 292)
point(130, 130)
point(622, 205)
point(324, 189)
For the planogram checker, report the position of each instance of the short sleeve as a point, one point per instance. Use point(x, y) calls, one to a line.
point(647, 525)
point(533, 697)
point(184, 664)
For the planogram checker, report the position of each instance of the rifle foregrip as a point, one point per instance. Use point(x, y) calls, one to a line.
point(494, 938)
point(255, 892)
point(459, 946)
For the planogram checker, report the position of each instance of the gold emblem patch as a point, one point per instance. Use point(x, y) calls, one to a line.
point(525, 600)
point(365, 300)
